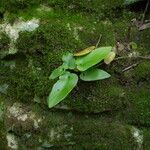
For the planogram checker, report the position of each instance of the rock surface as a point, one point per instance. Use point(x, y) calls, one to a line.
point(107, 114)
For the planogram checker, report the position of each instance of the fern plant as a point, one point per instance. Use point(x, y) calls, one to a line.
point(82, 62)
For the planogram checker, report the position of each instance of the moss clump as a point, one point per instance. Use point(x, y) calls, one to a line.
point(15, 5)
point(3, 141)
point(4, 41)
point(144, 41)
point(146, 141)
point(40, 47)
point(48, 38)
point(4, 44)
point(81, 5)
point(137, 111)
point(124, 31)
point(141, 72)
point(141, 39)
point(100, 98)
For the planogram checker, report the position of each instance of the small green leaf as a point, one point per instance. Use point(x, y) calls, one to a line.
point(62, 88)
point(57, 72)
point(94, 74)
point(69, 61)
point(91, 59)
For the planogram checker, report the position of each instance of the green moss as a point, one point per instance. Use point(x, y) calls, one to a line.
point(136, 94)
point(4, 44)
point(91, 33)
point(100, 7)
point(48, 38)
point(106, 131)
point(3, 142)
point(123, 28)
point(97, 96)
point(139, 75)
point(142, 71)
point(137, 111)
point(62, 130)
point(42, 49)
point(14, 5)
point(72, 26)
point(90, 6)
point(146, 141)
point(142, 41)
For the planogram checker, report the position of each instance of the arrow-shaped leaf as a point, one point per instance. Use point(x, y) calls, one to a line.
point(91, 59)
point(57, 72)
point(94, 74)
point(62, 88)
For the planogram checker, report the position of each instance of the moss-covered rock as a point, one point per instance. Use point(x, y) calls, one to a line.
point(96, 115)
point(15, 5)
point(65, 130)
point(41, 51)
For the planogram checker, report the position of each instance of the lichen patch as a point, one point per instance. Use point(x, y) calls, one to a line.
point(18, 112)
point(35, 120)
point(13, 30)
point(138, 136)
point(11, 141)
point(22, 117)
point(44, 8)
point(15, 110)
point(75, 32)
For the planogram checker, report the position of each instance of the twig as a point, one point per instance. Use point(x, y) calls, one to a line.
point(146, 8)
point(144, 26)
point(133, 57)
point(130, 67)
point(100, 36)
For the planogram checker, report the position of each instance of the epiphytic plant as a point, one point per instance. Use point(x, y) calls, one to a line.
point(83, 63)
